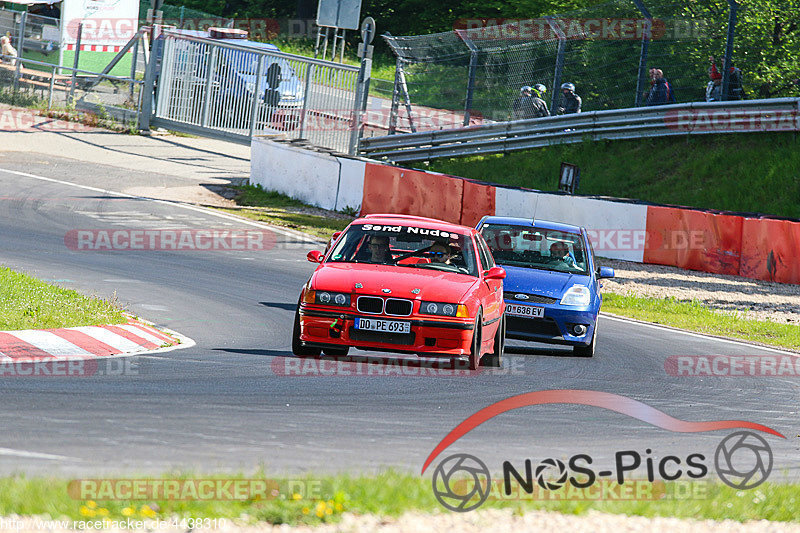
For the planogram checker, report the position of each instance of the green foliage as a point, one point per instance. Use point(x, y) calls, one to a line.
point(695, 316)
point(281, 210)
point(27, 303)
point(390, 493)
point(748, 172)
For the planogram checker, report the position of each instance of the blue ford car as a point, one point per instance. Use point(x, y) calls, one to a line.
point(551, 290)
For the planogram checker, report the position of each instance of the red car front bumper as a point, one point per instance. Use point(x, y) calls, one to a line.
point(430, 335)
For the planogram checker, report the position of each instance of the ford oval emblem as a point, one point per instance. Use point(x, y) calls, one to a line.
point(386, 291)
point(521, 296)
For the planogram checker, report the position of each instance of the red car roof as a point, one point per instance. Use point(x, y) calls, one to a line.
point(424, 222)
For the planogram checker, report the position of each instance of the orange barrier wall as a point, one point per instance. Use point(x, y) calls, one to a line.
point(723, 244)
point(478, 200)
point(770, 250)
point(694, 240)
point(390, 189)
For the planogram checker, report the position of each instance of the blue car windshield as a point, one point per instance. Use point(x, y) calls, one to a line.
point(542, 249)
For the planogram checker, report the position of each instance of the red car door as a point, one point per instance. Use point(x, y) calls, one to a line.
point(493, 308)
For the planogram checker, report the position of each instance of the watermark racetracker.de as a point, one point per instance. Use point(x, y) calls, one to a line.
point(196, 489)
point(133, 240)
point(19, 365)
point(20, 120)
point(583, 29)
point(463, 482)
point(766, 365)
point(380, 366)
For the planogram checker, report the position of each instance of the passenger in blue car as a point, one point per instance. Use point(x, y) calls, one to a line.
point(559, 251)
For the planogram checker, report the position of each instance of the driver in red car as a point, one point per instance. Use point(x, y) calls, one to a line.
point(379, 250)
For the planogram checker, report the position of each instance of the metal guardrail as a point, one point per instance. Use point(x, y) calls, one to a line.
point(778, 114)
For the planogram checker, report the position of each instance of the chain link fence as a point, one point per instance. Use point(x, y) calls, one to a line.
point(606, 51)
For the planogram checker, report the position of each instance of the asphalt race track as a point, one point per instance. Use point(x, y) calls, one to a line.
point(224, 403)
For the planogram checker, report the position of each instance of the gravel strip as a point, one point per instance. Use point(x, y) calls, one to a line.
point(756, 299)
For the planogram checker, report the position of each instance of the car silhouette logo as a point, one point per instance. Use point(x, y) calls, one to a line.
point(521, 296)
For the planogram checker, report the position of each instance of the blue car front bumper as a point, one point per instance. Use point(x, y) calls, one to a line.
point(555, 327)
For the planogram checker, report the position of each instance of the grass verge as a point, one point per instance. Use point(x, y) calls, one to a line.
point(312, 500)
point(694, 316)
point(27, 303)
point(275, 208)
point(754, 172)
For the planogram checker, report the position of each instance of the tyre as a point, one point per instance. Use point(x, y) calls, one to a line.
point(587, 351)
point(336, 352)
point(297, 345)
point(496, 358)
point(475, 350)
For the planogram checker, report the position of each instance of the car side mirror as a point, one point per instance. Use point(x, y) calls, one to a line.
point(605, 272)
point(495, 272)
point(315, 256)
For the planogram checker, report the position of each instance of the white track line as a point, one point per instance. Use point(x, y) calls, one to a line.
point(287, 233)
point(35, 455)
point(698, 335)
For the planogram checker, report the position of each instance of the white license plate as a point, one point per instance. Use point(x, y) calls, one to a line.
point(386, 326)
point(529, 311)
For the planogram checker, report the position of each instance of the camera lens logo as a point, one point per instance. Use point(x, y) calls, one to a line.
point(743, 460)
point(461, 482)
point(547, 466)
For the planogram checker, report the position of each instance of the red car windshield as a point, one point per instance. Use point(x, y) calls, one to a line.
point(530, 247)
point(406, 246)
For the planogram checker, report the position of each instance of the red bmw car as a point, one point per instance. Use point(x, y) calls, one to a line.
point(399, 283)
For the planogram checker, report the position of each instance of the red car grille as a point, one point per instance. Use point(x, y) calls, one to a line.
point(370, 304)
point(391, 306)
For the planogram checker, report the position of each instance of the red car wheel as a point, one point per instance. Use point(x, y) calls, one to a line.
point(475, 351)
point(297, 345)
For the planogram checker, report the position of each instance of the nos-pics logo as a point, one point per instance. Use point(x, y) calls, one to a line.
point(462, 482)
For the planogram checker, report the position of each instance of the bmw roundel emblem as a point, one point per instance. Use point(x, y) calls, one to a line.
point(521, 296)
point(386, 291)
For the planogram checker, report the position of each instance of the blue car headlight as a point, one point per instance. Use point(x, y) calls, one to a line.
point(332, 298)
point(577, 295)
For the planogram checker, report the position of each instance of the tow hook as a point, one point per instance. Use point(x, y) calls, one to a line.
point(336, 328)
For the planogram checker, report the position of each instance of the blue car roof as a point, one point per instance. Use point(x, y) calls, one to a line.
point(534, 223)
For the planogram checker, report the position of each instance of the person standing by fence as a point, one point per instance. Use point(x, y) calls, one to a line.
point(522, 107)
point(661, 93)
point(570, 102)
point(539, 105)
point(7, 50)
point(735, 89)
